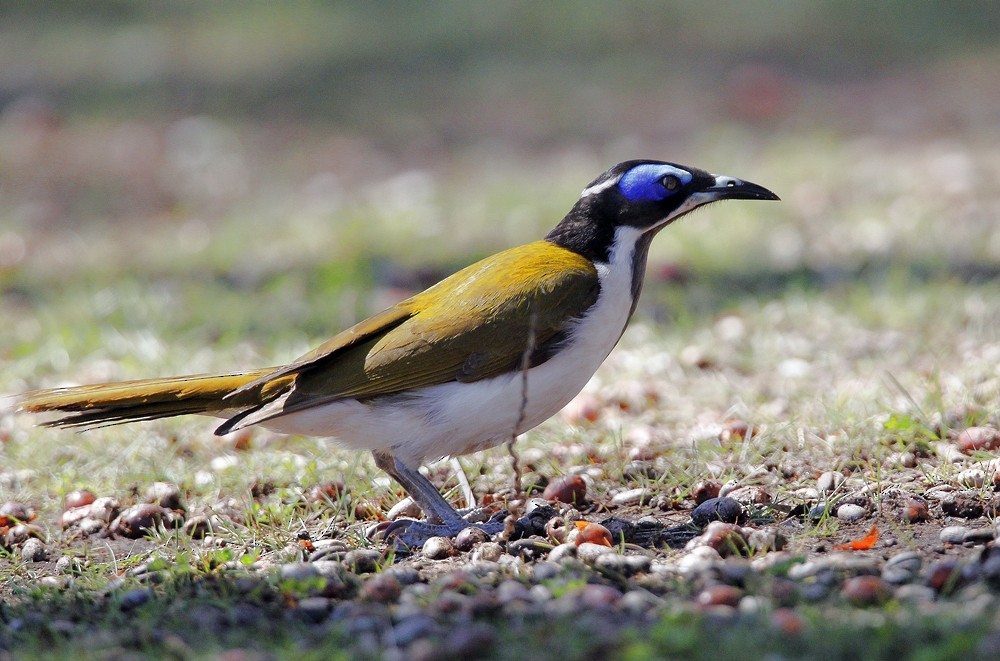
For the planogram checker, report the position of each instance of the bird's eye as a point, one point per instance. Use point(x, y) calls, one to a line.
point(670, 182)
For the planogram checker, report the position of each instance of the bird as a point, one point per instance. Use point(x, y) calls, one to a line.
point(469, 363)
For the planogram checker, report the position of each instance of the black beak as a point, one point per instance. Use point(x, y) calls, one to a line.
point(730, 188)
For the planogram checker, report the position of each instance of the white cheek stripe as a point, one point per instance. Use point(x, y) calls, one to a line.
point(603, 186)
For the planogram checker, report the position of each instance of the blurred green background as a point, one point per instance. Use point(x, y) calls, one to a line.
point(163, 164)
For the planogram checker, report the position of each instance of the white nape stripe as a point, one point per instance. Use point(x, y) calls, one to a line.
point(603, 186)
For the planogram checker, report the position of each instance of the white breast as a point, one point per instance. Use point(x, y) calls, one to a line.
point(458, 418)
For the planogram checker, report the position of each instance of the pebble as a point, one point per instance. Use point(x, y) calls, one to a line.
point(313, 609)
point(362, 561)
point(69, 564)
point(705, 490)
point(978, 438)
point(78, 498)
point(467, 539)
point(902, 567)
point(979, 536)
point(627, 565)
point(487, 551)
point(137, 520)
point(767, 539)
point(33, 550)
point(165, 494)
point(636, 496)
point(850, 512)
point(584, 532)
point(726, 538)
point(571, 489)
point(406, 508)
point(915, 510)
point(971, 478)
point(953, 534)
point(720, 595)
point(589, 552)
point(865, 591)
point(14, 510)
point(964, 505)
point(722, 508)
point(22, 533)
point(829, 481)
point(944, 576)
point(562, 552)
point(438, 548)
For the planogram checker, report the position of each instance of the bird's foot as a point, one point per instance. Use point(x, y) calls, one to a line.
point(407, 534)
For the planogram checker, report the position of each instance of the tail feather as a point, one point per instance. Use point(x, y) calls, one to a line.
point(149, 399)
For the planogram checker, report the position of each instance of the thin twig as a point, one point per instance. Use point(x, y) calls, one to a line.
point(529, 348)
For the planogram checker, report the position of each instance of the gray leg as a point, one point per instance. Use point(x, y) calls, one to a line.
point(442, 519)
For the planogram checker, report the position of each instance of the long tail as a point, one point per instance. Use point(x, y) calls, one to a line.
point(149, 399)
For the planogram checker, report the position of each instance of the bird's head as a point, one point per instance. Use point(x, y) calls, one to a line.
point(645, 196)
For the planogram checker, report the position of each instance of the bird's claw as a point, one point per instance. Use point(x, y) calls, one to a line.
point(407, 534)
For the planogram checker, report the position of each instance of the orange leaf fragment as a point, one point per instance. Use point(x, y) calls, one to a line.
point(863, 544)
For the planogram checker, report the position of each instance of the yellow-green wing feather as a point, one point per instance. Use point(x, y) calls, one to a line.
point(478, 323)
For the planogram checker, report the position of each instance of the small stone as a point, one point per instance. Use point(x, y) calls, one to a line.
point(583, 408)
point(716, 509)
point(636, 496)
point(12, 512)
point(362, 561)
point(78, 498)
point(164, 494)
point(865, 591)
point(585, 532)
point(488, 552)
point(438, 548)
point(470, 641)
point(944, 576)
point(589, 552)
point(69, 564)
point(978, 438)
point(105, 509)
point(720, 595)
point(705, 490)
point(556, 529)
point(406, 508)
point(979, 536)
point(137, 520)
point(726, 538)
point(735, 430)
point(562, 552)
point(902, 568)
point(830, 481)
point(767, 539)
point(92, 526)
point(467, 539)
point(33, 550)
point(198, 526)
point(571, 489)
point(915, 510)
point(971, 478)
point(787, 622)
point(313, 609)
point(135, 598)
point(327, 492)
point(299, 571)
point(751, 495)
point(381, 588)
point(21, 533)
point(850, 513)
point(963, 505)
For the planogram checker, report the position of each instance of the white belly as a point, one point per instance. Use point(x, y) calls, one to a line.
point(458, 418)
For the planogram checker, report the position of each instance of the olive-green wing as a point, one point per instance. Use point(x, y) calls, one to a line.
point(481, 322)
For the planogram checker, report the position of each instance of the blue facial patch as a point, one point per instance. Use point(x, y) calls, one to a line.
point(645, 183)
